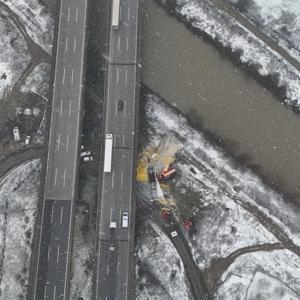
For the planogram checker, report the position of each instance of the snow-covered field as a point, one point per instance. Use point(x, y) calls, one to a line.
point(280, 19)
point(36, 19)
point(13, 56)
point(235, 214)
point(18, 202)
point(160, 271)
point(251, 51)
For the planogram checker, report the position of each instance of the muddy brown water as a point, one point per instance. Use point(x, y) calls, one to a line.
point(192, 74)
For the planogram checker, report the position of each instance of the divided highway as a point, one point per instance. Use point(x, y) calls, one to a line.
point(115, 269)
point(51, 278)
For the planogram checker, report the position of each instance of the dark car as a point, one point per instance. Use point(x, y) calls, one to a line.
point(120, 105)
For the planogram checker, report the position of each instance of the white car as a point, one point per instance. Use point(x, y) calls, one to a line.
point(125, 220)
point(85, 153)
point(87, 158)
point(27, 140)
point(174, 234)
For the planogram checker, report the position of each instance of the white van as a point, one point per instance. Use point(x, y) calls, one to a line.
point(27, 140)
point(125, 220)
point(16, 133)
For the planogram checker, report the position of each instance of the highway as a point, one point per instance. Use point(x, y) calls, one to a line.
point(115, 269)
point(51, 277)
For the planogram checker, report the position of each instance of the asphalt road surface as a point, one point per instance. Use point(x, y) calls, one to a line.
point(115, 269)
point(53, 258)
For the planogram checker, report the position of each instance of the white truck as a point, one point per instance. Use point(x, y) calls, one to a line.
point(115, 14)
point(108, 153)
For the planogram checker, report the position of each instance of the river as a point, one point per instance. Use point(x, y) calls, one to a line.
point(221, 98)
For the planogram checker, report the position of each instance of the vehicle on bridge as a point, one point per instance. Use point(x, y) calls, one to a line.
point(112, 243)
point(115, 14)
point(108, 153)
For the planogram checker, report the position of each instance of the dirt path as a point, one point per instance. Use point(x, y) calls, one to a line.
point(193, 273)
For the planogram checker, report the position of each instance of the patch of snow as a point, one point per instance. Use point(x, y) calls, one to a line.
point(13, 55)
point(243, 276)
point(18, 201)
point(265, 287)
point(38, 81)
point(36, 19)
point(280, 19)
point(251, 51)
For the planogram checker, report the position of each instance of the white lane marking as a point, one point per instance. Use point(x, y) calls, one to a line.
point(51, 221)
point(64, 75)
point(128, 13)
point(61, 214)
point(45, 291)
point(114, 141)
point(70, 105)
point(120, 13)
point(107, 272)
point(112, 179)
point(58, 141)
point(61, 107)
point(124, 108)
point(116, 108)
point(66, 48)
point(54, 293)
point(74, 46)
point(118, 75)
point(123, 141)
point(57, 256)
point(67, 144)
point(64, 178)
point(127, 43)
point(76, 15)
point(55, 176)
point(111, 209)
point(48, 253)
point(69, 9)
point(120, 215)
point(126, 76)
point(72, 77)
point(119, 43)
point(122, 179)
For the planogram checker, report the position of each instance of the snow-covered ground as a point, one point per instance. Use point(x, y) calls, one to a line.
point(250, 50)
point(280, 19)
point(13, 56)
point(234, 212)
point(18, 202)
point(38, 80)
point(262, 275)
point(160, 271)
point(36, 19)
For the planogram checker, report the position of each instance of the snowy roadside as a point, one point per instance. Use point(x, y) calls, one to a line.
point(227, 232)
point(250, 50)
point(18, 201)
point(280, 19)
point(160, 272)
point(83, 260)
point(36, 19)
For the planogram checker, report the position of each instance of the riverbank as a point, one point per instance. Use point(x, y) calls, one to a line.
point(221, 99)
